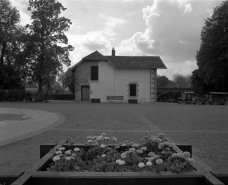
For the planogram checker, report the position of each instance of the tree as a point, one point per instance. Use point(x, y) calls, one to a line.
point(162, 81)
point(182, 80)
point(212, 57)
point(47, 45)
point(66, 79)
point(11, 34)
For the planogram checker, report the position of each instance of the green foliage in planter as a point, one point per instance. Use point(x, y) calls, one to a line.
point(61, 96)
point(16, 95)
point(154, 153)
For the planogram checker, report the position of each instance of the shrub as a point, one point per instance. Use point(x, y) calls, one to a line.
point(61, 96)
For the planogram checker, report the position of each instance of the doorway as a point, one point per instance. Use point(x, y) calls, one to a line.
point(85, 93)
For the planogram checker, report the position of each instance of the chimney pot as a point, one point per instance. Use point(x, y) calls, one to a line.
point(113, 52)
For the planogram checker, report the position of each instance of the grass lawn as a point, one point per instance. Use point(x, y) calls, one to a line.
point(205, 127)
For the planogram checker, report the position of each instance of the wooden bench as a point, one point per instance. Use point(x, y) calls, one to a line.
point(115, 98)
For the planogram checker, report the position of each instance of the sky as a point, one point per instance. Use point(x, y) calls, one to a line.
point(166, 28)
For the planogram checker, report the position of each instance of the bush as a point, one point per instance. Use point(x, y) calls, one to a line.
point(61, 96)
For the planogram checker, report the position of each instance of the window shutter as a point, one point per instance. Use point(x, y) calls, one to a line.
point(94, 72)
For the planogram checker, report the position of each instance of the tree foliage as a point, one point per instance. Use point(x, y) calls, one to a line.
point(11, 46)
point(47, 44)
point(66, 79)
point(182, 80)
point(212, 57)
point(162, 81)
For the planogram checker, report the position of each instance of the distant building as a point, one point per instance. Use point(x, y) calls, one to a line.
point(31, 87)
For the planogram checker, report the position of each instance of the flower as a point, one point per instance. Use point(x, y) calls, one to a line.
point(102, 145)
point(149, 163)
point(191, 160)
point(89, 137)
point(143, 148)
point(68, 152)
point(151, 154)
point(141, 165)
point(62, 148)
point(160, 145)
point(76, 149)
point(123, 155)
point(180, 155)
point(131, 150)
point(118, 160)
point(56, 158)
point(68, 158)
point(103, 155)
point(103, 134)
point(74, 154)
point(159, 161)
point(124, 144)
point(155, 157)
point(186, 155)
point(122, 162)
point(135, 145)
point(161, 136)
point(114, 139)
point(58, 152)
point(174, 155)
point(99, 138)
point(139, 151)
point(90, 141)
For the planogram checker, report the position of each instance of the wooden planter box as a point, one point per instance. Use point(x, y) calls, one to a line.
point(38, 176)
point(7, 178)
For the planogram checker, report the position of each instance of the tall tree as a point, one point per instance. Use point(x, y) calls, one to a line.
point(182, 80)
point(48, 45)
point(212, 57)
point(66, 79)
point(162, 81)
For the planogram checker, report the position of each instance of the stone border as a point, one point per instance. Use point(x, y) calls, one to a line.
point(60, 121)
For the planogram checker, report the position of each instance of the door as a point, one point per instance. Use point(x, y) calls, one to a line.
point(84, 93)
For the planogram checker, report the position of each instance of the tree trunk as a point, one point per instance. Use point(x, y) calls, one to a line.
point(40, 90)
point(2, 53)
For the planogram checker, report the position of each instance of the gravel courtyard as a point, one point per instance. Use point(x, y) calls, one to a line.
point(205, 127)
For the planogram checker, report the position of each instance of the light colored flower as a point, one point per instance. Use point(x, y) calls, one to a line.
point(88, 137)
point(114, 139)
point(160, 145)
point(143, 148)
point(131, 150)
point(175, 148)
point(166, 143)
point(180, 155)
point(139, 151)
point(68, 152)
point(122, 162)
point(103, 134)
point(159, 161)
point(58, 152)
point(74, 154)
point(161, 136)
point(141, 165)
point(123, 155)
point(62, 148)
point(167, 148)
point(191, 160)
point(156, 140)
point(99, 138)
point(102, 145)
point(150, 159)
point(124, 144)
point(76, 149)
point(151, 154)
point(186, 155)
point(68, 158)
point(118, 160)
point(155, 157)
point(103, 155)
point(174, 155)
point(56, 158)
point(149, 163)
point(106, 138)
point(165, 139)
point(90, 141)
point(135, 145)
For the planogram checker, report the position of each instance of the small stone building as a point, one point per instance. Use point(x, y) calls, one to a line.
point(132, 77)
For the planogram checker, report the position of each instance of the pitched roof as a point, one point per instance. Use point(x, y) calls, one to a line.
point(95, 56)
point(137, 62)
point(125, 62)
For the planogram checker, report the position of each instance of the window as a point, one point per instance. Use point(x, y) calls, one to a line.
point(133, 89)
point(94, 72)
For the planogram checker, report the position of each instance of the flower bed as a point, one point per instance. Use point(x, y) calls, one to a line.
point(101, 154)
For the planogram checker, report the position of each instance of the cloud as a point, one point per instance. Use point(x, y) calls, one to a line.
point(188, 8)
point(112, 22)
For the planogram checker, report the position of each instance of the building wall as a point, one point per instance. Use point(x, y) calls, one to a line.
point(115, 82)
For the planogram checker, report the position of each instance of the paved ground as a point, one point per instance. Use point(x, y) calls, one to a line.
point(18, 124)
point(205, 127)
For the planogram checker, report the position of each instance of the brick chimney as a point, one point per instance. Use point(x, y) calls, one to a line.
point(113, 52)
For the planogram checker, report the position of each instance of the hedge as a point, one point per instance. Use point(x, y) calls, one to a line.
point(22, 95)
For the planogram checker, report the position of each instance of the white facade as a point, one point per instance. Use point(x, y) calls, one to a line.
point(115, 82)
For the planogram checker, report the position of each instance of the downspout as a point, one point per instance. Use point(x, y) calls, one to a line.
point(150, 85)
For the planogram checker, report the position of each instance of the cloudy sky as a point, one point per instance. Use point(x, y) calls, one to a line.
point(166, 28)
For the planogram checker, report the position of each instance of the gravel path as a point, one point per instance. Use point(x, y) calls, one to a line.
point(205, 127)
